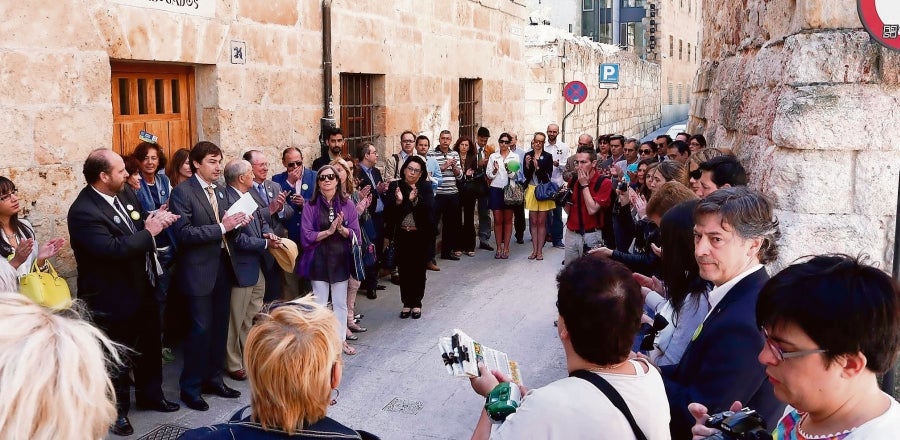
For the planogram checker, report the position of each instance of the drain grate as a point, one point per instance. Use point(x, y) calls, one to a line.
point(164, 432)
point(404, 406)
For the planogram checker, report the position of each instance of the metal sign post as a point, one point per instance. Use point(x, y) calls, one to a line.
point(887, 382)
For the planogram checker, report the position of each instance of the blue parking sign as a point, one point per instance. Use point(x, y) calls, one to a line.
point(609, 73)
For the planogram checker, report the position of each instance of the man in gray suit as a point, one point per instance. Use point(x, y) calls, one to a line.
point(204, 274)
point(276, 212)
point(248, 253)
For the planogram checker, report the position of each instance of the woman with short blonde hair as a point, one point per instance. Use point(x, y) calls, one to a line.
point(53, 373)
point(293, 358)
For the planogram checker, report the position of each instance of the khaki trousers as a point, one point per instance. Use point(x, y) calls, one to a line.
point(246, 302)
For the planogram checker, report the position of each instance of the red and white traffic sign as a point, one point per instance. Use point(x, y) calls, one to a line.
point(575, 92)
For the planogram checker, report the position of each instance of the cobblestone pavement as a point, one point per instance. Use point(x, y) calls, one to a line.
point(396, 386)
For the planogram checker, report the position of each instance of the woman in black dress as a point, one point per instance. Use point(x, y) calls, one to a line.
point(408, 218)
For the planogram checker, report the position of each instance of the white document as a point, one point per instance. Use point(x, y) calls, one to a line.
point(245, 204)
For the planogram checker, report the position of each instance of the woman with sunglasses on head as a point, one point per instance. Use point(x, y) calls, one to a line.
point(362, 198)
point(831, 325)
point(293, 358)
point(327, 222)
point(18, 243)
point(408, 222)
point(499, 171)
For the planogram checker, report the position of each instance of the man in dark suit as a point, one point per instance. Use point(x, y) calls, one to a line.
point(248, 256)
point(272, 201)
point(299, 182)
point(204, 273)
point(369, 175)
point(335, 142)
point(113, 241)
point(735, 233)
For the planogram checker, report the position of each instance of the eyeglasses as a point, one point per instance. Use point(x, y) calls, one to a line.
point(695, 143)
point(414, 170)
point(324, 177)
point(295, 164)
point(6, 196)
point(504, 142)
point(642, 151)
point(782, 355)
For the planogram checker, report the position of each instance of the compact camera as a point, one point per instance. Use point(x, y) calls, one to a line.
point(745, 424)
point(502, 401)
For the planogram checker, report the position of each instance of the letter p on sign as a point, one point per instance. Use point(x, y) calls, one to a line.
point(609, 73)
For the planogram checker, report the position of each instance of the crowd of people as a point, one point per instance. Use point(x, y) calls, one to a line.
point(663, 295)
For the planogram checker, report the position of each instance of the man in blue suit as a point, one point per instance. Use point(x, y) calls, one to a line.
point(248, 256)
point(204, 274)
point(735, 233)
point(299, 183)
point(368, 175)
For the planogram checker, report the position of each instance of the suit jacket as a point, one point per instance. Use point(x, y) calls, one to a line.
point(364, 180)
point(199, 236)
point(248, 247)
point(543, 169)
point(720, 365)
point(111, 260)
point(276, 221)
point(309, 181)
point(421, 211)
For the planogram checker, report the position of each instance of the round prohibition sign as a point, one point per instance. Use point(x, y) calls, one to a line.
point(575, 92)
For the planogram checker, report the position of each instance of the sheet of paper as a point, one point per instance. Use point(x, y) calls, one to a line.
point(245, 204)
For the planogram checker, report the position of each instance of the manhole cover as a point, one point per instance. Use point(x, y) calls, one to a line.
point(403, 406)
point(164, 432)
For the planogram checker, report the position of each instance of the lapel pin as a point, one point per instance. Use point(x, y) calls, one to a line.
point(220, 195)
point(270, 194)
point(117, 219)
point(135, 216)
point(304, 187)
point(129, 207)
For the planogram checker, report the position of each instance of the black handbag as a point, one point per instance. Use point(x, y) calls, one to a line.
point(474, 186)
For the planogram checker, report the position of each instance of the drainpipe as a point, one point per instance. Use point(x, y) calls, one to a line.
point(327, 121)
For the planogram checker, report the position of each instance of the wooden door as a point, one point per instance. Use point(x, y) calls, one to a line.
point(156, 98)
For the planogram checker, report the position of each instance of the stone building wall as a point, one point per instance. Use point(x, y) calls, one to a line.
point(633, 109)
point(55, 75)
point(808, 103)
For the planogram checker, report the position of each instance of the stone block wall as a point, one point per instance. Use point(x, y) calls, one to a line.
point(808, 102)
point(556, 57)
point(55, 72)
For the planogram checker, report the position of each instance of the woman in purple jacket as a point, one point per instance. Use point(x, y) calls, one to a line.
point(325, 230)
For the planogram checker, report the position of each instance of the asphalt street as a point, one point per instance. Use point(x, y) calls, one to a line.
point(396, 386)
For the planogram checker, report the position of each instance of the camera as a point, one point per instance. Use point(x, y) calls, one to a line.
point(623, 186)
point(744, 424)
point(502, 401)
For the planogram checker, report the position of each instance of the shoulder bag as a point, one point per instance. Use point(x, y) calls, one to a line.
point(46, 287)
point(614, 397)
point(358, 269)
point(513, 194)
point(546, 191)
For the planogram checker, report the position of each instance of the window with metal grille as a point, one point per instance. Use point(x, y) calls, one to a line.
point(680, 49)
point(469, 108)
point(689, 52)
point(680, 94)
point(155, 98)
point(670, 93)
point(671, 46)
point(359, 110)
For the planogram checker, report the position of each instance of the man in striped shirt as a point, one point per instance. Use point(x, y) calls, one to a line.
point(446, 198)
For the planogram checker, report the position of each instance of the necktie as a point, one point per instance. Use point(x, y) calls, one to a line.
point(215, 207)
point(262, 193)
point(124, 214)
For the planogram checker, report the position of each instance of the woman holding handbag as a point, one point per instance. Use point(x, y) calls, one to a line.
point(362, 198)
point(326, 226)
point(469, 187)
point(18, 243)
point(538, 166)
point(499, 172)
point(408, 218)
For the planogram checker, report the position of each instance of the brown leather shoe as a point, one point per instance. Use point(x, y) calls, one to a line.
point(238, 374)
point(432, 266)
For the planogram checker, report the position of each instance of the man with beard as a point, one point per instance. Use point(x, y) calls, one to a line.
point(335, 142)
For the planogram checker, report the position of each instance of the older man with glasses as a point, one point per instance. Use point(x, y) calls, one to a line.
point(299, 183)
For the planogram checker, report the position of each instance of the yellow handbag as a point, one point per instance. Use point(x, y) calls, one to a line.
point(46, 288)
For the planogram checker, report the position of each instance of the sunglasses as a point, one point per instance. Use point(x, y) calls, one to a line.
point(646, 151)
point(504, 141)
point(695, 174)
point(294, 164)
point(324, 177)
point(659, 323)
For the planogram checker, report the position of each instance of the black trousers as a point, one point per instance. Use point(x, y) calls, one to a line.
point(466, 238)
point(371, 280)
point(272, 274)
point(411, 248)
point(446, 211)
point(205, 346)
point(519, 220)
point(140, 333)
